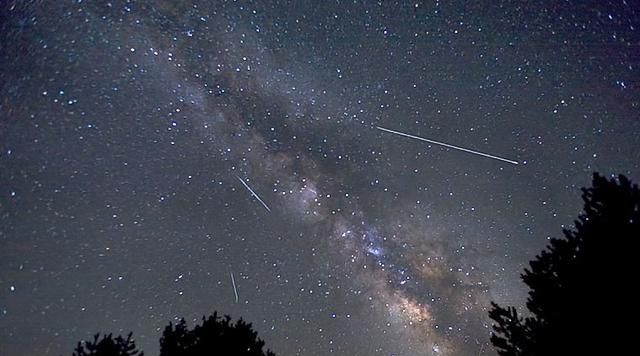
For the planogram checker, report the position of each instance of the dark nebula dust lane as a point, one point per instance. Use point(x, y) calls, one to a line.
point(354, 178)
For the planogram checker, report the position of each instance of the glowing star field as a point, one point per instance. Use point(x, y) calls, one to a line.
point(353, 178)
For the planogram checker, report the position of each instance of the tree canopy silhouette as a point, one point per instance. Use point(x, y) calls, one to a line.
point(578, 297)
point(108, 346)
point(216, 336)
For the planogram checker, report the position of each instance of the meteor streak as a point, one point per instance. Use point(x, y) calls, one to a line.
point(447, 145)
point(233, 282)
point(254, 193)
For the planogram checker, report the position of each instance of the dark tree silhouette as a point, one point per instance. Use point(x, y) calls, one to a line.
point(108, 346)
point(216, 336)
point(579, 285)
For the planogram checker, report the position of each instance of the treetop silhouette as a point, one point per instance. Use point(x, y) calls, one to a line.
point(216, 336)
point(108, 346)
point(576, 299)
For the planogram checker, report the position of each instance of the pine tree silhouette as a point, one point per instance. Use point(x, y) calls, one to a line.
point(216, 336)
point(108, 346)
point(578, 300)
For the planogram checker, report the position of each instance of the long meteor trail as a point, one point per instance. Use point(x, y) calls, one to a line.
point(233, 282)
point(447, 145)
point(253, 193)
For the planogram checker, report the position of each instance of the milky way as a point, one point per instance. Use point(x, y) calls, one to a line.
point(164, 159)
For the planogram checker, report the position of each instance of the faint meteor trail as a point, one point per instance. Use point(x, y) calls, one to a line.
point(448, 145)
point(254, 193)
point(233, 282)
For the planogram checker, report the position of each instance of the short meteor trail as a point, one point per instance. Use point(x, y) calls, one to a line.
point(254, 193)
point(233, 282)
point(448, 145)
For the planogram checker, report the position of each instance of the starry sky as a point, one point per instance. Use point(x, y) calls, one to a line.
point(151, 150)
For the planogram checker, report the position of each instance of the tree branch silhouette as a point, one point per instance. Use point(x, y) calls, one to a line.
point(576, 300)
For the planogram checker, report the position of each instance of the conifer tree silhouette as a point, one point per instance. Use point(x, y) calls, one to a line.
point(216, 336)
point(578, 299)
point(108, 346)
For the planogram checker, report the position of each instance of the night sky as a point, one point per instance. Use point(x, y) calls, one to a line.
point(129, 129)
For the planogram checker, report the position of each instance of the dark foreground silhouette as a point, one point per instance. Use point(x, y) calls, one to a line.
point(216, 336)
point(108, 346)
point(581, 285)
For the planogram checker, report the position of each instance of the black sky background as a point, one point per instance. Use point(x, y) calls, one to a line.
point(125, 126)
